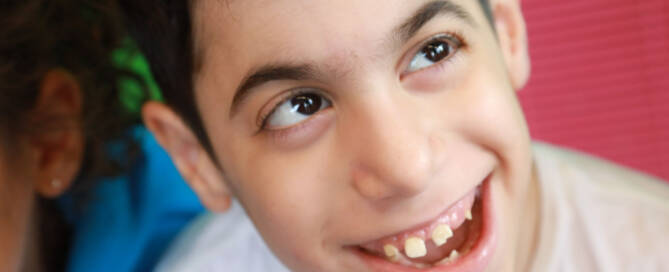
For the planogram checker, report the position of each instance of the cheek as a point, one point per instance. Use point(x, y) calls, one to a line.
point(492, 117)
point(494, 120)
point(285, 194)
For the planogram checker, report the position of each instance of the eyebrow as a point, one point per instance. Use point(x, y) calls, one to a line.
point(266, 74)
point(426, 13)
point(406, 30)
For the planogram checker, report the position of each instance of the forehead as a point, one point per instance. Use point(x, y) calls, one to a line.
point(232, 37)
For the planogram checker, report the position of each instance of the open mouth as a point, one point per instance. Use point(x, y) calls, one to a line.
point(460, 239)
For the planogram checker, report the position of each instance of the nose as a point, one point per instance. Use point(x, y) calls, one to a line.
point(393, 154)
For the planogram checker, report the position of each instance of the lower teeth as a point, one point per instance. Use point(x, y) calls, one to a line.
point(451, 258)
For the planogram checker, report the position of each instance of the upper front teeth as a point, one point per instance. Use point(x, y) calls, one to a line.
point(441, 233)
point(415, 247)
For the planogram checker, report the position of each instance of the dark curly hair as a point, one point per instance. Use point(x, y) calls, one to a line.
point(78, 36)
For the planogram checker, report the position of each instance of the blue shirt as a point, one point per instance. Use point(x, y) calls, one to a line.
point(131, 219)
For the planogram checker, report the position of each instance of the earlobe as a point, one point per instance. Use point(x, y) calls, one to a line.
point(59, 143)
point(512, 36)
point(54, 187)
point(188, 155)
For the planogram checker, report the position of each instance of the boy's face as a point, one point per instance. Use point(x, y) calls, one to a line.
point(349, 128)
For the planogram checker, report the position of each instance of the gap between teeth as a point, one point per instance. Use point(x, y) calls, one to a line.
point(414, 247)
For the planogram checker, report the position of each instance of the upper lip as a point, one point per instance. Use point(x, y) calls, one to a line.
point(477, 258)
point(420, 226)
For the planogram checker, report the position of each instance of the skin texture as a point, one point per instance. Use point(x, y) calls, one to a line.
point(394, 149)
point(30, 162)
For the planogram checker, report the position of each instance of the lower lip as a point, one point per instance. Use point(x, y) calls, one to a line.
point(475, 261)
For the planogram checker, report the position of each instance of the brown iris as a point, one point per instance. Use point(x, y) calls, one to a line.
point(436, 51)
point(306, 104)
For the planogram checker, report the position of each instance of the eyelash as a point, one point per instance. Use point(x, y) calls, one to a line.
point(454, 39)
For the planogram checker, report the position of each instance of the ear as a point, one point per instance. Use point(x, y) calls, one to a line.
point(58, 141)
point(190, 158)
point(512, 36)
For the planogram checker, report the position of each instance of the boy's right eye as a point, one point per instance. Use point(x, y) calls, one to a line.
point(436, 50)
point(295, 109)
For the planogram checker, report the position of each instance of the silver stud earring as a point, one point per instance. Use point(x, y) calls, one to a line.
point(56, 183)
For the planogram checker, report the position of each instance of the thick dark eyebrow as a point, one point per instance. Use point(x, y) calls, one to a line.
point(404, 32)
point(426, 13)
point(266, 74)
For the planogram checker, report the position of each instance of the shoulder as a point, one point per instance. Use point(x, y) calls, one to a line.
point(606, 180)
point(220, 242)
point(614, 218)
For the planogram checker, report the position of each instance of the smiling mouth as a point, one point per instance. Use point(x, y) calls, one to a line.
point(460, 239)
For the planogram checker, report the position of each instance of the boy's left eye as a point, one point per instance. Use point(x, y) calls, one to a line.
point(295, 109)
point(434, 51)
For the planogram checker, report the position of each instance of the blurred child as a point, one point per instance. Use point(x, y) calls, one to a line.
point(59, 108)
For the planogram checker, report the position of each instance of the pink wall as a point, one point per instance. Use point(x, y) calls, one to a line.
point(600, 78)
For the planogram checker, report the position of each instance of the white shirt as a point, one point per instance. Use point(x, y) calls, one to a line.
point(595, 216)
point(220, 242)
point(598, 216)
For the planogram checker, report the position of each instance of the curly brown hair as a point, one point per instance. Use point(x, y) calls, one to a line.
point(78, 36)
